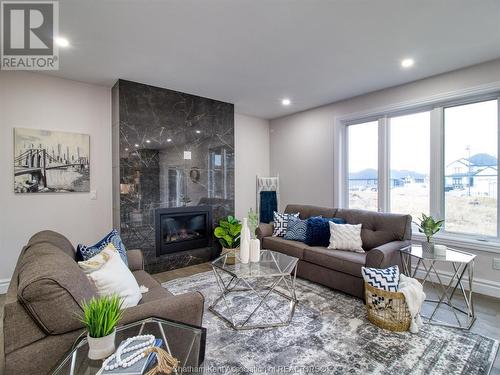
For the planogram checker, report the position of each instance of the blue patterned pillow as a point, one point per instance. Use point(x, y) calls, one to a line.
point(86, 252)
point(281, 223)
point(296, 230)
point(318, 230)
point(386, 279)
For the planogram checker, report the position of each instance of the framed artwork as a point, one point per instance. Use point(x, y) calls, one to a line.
point(51, 161)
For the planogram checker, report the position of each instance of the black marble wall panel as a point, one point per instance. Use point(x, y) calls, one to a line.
point(174, 150)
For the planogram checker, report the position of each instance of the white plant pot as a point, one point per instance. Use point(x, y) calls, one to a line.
point(101, 347)
point(427, 247)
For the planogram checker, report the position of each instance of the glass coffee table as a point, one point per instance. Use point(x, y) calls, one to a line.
point(256, 295)
point(184, 342)
point(449, 285)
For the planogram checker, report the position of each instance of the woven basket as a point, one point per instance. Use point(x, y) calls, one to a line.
point(387, 310)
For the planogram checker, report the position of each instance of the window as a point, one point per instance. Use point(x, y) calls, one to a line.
point(409, 164)
point(363, 165)
point(471, 152)
point(439, 160)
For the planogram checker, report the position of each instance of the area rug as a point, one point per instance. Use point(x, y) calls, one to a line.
point(330, 334)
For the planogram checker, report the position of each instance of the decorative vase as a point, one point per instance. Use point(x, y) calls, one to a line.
point(440, 250)
point(245, 242)
point(101, 347)
point(428, 246)
point(254, 250)
point(231, 254)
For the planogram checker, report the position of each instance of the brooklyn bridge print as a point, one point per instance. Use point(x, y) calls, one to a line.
point(51, 161)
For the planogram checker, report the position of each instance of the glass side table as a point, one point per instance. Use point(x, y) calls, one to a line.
point(184, 342)
point(460, 263)
point(260, 280)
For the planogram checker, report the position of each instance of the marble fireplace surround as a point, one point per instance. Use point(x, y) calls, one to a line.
point(170, 149)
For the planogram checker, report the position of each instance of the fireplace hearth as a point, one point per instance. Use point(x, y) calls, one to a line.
point(182, 229)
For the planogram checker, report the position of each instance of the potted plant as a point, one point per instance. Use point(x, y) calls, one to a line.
point(100, 317)
point(228, 233)
point(253, 222)
point(429, 227)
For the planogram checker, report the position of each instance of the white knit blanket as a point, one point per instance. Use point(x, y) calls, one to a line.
point(415, 296)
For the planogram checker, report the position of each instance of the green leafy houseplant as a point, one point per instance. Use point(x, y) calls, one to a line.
point(228, 232)
point(429, 226)
point(253, 221)
point(101, 315)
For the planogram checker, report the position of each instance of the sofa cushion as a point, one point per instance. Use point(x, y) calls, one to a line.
point(156, 291)
point(292, 248)
point(296, 230)
point(338, 260)
point(378, 228)
point(280, 223)
point(307, 211)
point(318, 230)
point(55, 239)
point(52, 287)
point(84, 252)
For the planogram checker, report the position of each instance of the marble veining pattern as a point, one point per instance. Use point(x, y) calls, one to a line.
point(175, 150)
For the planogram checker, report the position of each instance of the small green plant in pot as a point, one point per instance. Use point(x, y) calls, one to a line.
point(429, 227)
point(100, 317)
point(228, 234)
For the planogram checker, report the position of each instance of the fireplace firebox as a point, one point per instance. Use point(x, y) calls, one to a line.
point(182, 228)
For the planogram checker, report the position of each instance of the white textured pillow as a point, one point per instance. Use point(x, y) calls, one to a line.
point(111, 276)
point(346, 237)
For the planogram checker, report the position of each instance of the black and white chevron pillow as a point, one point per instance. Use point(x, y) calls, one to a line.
point(386, 279)
point(281, 223)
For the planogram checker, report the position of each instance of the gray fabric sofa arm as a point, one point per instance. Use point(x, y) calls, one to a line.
point(264, 230)
point(386, 255)
point(135, 260)
point(184, 308)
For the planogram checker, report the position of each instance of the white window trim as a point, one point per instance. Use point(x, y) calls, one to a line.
point(435, 104)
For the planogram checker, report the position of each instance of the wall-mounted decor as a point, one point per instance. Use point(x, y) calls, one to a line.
point(51, 161)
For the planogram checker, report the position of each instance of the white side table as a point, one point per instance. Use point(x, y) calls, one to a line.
point(461, 262)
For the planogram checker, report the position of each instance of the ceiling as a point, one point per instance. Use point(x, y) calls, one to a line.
point(253, 53)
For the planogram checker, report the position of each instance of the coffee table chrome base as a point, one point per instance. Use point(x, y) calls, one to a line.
point(231, 286)
point(448, 291)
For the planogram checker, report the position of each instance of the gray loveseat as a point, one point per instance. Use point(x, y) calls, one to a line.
point(383, 235)
point(45, 295)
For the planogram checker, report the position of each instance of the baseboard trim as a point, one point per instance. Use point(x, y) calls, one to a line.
point(480, 286)
point(4, 285)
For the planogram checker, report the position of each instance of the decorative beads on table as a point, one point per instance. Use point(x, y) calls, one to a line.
point(137, 349)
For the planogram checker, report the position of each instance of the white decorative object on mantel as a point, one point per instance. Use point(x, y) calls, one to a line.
point(245, 242)
point(254, 250)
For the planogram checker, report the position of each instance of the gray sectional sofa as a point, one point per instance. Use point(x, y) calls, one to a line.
point(45, 295)
point(383, 235)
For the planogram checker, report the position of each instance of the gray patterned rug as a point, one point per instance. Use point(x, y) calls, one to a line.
point(330, 334)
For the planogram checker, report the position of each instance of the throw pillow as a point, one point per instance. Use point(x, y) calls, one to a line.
point(281, 223)
point(386, 279)
point(346, 237)
point(296, 230)
point(318, 230)
point(86, 252)
point(111, 276)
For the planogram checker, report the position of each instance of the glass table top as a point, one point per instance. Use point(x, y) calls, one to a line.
point(271, 263)
point(445, 255)
point(184, 342)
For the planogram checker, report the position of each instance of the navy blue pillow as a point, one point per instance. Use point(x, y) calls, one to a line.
point(318, 230)
point(86, 252)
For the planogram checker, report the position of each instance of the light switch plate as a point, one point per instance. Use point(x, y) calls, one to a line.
point(496, 263)
point(93, 195)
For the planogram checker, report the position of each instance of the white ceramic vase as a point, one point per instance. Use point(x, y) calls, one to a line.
point(101, 347)
point(254, 250)
point(245, 242)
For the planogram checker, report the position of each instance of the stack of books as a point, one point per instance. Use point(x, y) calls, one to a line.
point(138, 368)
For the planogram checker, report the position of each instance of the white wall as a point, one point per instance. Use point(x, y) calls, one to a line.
point(302, 144)
point(31, 100)
point(251, 141)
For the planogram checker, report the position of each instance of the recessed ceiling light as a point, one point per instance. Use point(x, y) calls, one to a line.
point(126, 149)
point(148, 141)
point(407, 63)
point(136, 145)
point(169, 140)
point(286, 101)
point(198, 131)
point(62, 42)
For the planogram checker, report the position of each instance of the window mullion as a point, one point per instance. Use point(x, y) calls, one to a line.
point(436, 176)
point(498, 174)
point(383, 165)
